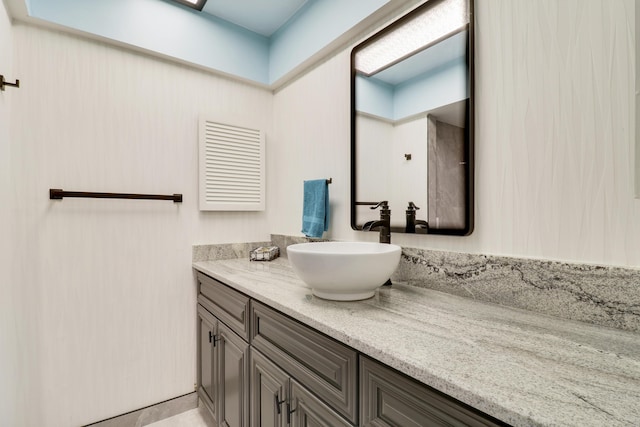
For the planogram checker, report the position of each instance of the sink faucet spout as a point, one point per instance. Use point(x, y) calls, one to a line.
point(384, 224)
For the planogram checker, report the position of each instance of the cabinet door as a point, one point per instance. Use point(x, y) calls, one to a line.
point(325, 366)
point(233, 371)
point(306, 410)
point(269, 392)
point(207, 360)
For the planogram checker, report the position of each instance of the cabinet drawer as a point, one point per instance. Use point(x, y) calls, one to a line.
point(323, 365)
point(389, 398)
point(228, 305)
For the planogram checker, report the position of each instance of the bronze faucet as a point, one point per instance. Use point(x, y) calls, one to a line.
point(412, 222)
point(384, 223)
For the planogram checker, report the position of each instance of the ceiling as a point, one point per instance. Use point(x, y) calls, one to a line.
point(264, 17)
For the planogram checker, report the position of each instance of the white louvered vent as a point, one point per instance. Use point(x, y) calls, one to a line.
point(231, 167)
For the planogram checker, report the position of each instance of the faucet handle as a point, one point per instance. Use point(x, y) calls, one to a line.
point(384, 204)
point(412, 207)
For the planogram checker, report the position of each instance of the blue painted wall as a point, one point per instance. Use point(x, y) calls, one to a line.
point(317, 24)
point(177, 31)
point(166, 28)
point(374, 97)
point(442, 86)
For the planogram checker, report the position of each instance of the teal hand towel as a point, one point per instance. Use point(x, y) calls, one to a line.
point(315, 210)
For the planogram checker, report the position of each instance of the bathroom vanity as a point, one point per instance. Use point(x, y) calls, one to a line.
point(270, 353)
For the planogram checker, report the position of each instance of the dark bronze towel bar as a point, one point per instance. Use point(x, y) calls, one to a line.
point(55, 193)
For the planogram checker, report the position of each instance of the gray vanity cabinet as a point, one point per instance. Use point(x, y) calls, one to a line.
point(207, 360)
point(389, 398)
point(277, 400)
point(223, 352)
point(223, 371)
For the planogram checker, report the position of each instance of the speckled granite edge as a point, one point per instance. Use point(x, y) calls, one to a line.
point(224, 251)
point(607, 296)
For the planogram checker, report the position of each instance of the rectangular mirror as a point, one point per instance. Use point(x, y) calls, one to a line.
point(412, 121)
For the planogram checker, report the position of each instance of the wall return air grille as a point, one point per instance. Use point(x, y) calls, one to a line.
point(232, 167)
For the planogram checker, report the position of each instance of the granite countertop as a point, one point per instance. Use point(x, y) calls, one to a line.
point(521, 367)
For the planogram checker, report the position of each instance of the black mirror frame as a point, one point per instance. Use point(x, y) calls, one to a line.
point(469, 129)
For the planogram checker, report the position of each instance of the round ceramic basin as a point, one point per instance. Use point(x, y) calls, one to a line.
point(344, 271)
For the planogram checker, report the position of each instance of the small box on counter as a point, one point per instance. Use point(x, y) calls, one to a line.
point(264, 253)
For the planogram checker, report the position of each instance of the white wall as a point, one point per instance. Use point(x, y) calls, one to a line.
point(106, 286)
point(311, 125)
point(554, 130)
point(11, 398)
point(554, 110)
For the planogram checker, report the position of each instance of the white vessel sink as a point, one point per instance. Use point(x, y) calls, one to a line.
point(344, 271)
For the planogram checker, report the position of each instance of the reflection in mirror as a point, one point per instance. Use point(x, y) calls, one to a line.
point(412, 121)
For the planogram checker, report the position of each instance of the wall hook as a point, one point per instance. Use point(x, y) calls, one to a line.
point(407, 156)
point(4, 83)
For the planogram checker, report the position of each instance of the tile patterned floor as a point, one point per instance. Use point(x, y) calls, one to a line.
point(192, 418)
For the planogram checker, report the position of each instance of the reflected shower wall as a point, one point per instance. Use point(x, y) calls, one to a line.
point(447, 175)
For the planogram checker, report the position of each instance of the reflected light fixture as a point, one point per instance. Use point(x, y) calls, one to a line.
point(439, 20)
point(196, 4)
